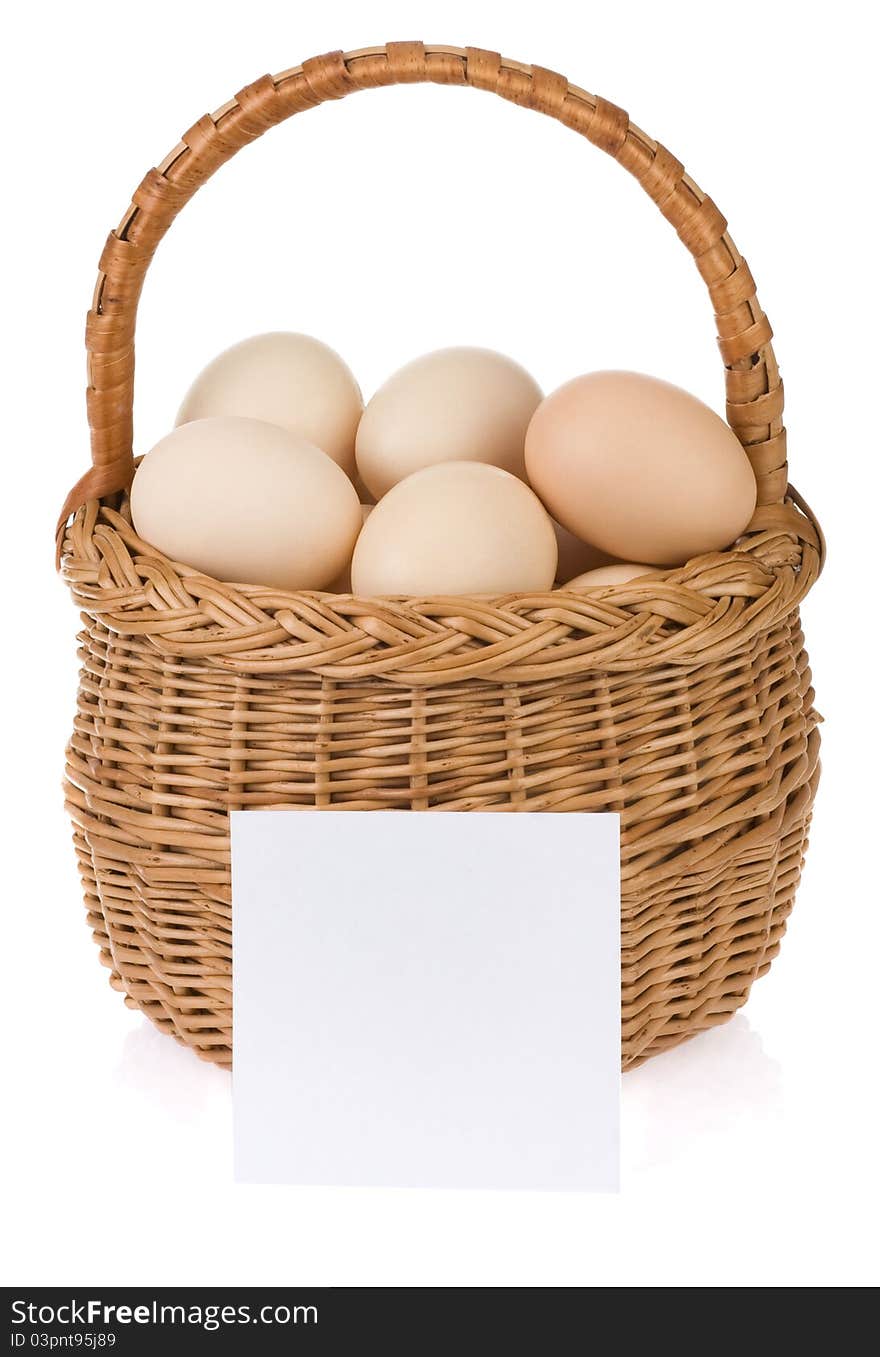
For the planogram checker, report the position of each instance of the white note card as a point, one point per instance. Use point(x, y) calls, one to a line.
point(426, 999)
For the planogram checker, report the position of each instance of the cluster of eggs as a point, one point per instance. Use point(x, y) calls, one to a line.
point(459, 476)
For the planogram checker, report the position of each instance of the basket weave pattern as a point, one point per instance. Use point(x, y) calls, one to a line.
point(684, 702)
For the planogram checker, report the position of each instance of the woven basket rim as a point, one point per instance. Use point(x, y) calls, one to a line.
point(713, 605)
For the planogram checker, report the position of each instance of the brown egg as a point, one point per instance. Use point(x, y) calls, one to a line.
point(575, 556)
point(456, 528)
point(619, 572)
point(639, 468)
point(454, 405)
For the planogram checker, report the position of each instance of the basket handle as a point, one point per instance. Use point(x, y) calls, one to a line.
point(754, 389)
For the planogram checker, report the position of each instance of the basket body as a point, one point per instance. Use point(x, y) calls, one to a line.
point(712, 767)
point(683, 701)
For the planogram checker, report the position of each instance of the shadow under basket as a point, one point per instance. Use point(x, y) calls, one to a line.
point(683, 702)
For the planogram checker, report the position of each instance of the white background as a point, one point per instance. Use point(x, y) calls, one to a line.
point(388, 224)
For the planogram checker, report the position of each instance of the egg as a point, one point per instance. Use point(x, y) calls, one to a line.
point(619, 572)
point(456, 528)
point(575, 556)
point(248, 502)
point(640, 468)
point(291, 380)
point(454, 405)
point(342, 583)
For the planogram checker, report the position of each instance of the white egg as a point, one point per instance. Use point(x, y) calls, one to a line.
point(246, 501)
point(291, 380)
point(454, 405)
point(456, 528)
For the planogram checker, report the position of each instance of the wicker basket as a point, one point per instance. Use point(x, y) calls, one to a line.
point(683, 702)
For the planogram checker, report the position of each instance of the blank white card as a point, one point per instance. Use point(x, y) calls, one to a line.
point(426, 999)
